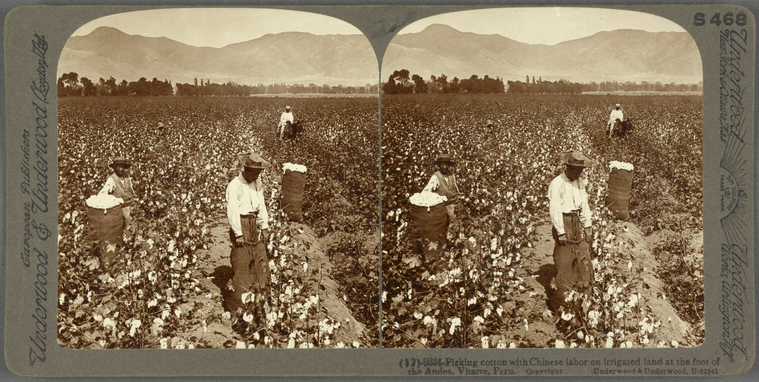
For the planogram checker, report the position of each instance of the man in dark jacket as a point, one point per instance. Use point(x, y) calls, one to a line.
point(119, 184)
point(443, 182)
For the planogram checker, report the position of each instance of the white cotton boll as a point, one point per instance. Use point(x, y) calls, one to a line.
point(620, 165)
point(427, 199)
point(294, 167)
point(103, 201)
point(133, 327)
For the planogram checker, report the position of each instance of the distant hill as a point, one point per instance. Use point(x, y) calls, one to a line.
point(621, 55)
point(296, 57)
point(291, 57)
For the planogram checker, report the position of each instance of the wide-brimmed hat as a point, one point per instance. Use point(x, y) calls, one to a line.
point(120, 160)
point(444, 158)
point(489, 123)
point(255, 161)
point(575, 158)
point(617, 105)
point(287, 108)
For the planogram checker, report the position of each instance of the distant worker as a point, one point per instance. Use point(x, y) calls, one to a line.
point(570, 216)
point(161, 130)
point(287, 116)
point(615, 114)
point(119, 184)
point(489, 133)
point(443, 182)
point(249, 234)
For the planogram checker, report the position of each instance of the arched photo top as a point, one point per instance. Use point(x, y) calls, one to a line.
point(573, 44)
point(527, 154)
point(190, 134)
point(247, 46)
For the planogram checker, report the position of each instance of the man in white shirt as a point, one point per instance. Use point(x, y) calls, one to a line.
point(615, 114)
point(570, 216)
point(249, 234)
point(287, 116)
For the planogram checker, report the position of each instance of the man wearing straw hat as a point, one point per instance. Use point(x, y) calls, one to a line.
point(443, 182)
point(489, 134)
point(120, 185)
point(570, 216)
point(249, 234)
point(287, 116)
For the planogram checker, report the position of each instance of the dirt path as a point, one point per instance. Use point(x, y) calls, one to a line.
point(537, 268)
point(209, 328)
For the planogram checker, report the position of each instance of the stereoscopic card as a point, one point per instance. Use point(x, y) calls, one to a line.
point(380, 190)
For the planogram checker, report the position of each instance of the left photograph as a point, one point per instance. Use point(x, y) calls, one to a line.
point(218, 182)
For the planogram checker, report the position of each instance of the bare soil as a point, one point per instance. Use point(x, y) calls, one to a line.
point(537, 268)
point(212, 330)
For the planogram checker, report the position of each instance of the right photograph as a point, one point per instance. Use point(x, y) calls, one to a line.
point(542, 181)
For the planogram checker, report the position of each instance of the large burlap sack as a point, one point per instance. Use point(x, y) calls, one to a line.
point(430, 226)
point(293, 186)
point(108, 223)
point(618, 199)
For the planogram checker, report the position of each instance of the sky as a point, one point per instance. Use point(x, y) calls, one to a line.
point(218, 27)
point(547, 25)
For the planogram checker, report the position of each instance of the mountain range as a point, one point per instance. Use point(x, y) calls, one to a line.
point(297, 57)
point(620, 55)
point(290, 57)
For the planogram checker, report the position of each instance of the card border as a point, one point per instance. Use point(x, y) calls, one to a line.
point(393, 17)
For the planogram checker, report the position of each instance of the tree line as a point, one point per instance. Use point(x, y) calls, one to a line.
point(610, 86)
point(70, 84)
point(544, 87)
point(400, 83)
